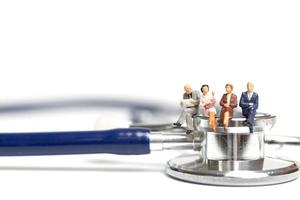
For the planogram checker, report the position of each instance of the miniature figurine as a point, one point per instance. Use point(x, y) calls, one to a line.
point(249, 105)
point(228, 103)
point(207, 104)
point(189, 107)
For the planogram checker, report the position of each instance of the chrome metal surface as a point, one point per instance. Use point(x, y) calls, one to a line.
point(168, 137)
point(267, 171)
point(159, 141)
point(234, 146)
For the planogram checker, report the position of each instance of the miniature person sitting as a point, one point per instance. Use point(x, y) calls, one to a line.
point(249, 105)
point(207, 105)
point(189, 107)
point(228, 102)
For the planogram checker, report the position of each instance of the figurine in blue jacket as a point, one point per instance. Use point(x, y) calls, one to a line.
point(249, 105)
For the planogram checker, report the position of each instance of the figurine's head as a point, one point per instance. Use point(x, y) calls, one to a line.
point(229, 87)
point(188, 89)
point(250, 87)
point(204, 89)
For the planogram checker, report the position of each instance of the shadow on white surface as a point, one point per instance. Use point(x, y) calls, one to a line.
point(99, 165)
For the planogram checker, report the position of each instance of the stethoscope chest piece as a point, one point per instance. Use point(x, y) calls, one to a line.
point(234, 158)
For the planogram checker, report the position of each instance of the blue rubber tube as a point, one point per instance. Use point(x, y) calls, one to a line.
point(128, 141)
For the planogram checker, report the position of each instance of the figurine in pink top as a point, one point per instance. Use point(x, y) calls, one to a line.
point(207, 105)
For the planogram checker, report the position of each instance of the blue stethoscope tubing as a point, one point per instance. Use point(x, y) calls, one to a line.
point(123, 141)
point(126, 141)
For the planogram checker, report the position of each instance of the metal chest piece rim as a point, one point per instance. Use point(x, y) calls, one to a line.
point(192, 168)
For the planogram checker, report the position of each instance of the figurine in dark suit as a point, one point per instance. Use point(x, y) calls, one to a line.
point(228, 103)
point(249, 105)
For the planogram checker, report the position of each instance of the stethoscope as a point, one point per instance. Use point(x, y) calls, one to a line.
point(235, 158)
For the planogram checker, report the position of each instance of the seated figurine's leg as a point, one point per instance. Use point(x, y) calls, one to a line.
point(226, 121)
point(250, 119)
point(212, 120)
point(215, 121)
point(246, 115)
point(189, 119)
point(182, 118)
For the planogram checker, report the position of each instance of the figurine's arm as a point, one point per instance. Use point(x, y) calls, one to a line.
point(213, 99)
point(181, 103)
point(243, 104)
point(222, 103)
point(197, 100)
point(233, 103)
point(255, 103)
point(202, 102)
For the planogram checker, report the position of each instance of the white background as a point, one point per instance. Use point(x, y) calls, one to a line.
point(149, 49)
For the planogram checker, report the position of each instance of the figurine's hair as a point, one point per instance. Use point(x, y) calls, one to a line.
point(187, 86)
point(203, 87)
point(250, 83)
point(230, 85)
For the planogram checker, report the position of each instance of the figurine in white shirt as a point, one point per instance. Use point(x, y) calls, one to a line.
point(189, 107)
